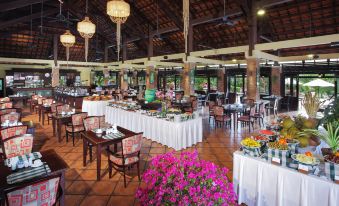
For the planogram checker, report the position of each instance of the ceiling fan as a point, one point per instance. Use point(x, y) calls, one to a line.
point(225, 19)
point(62, 18)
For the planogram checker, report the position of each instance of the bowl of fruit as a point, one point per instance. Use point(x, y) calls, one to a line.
point(250, 143)
point(261, 138)
point(332, 158)
point(306, 159)
point(278, 145)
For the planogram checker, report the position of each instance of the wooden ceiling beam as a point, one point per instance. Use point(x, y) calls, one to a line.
point(11, 5)
point(27, 18)
point(270, 3)
point(168, 11)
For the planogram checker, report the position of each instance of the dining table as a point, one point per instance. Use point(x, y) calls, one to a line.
point(17, 98)
point(56, 165)
point(57, 121)
point(234, 109)
point(100, 143)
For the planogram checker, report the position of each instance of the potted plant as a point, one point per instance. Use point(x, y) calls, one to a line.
point(99, 82)
point(185, 181)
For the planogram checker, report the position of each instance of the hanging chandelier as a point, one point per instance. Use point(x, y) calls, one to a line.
point(86, 29)
point(118, 11)
point(68, 40)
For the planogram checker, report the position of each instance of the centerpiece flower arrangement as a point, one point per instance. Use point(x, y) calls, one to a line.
point(160, 95)
point(185, 181)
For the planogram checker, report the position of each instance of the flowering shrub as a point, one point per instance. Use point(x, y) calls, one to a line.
point(160, 95)
point(185, 181)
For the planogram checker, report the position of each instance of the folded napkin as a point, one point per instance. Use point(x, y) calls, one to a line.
point(27, 174)
point(113, 135)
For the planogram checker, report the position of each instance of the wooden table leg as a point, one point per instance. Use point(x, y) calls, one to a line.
point(53, 125)
point(59, 130)
point(85, 151)
point(98, 161)
point(63, 187)
point(43, 116)
point(39, 111)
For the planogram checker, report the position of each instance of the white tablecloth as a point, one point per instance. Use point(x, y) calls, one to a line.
point(175, 135)
point(94, 108)
point(261, 183)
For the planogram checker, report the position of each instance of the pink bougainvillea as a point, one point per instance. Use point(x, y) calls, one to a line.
point(185, 181)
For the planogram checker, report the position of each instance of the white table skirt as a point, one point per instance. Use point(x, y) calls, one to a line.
point(94, 108)
point(175, 135)
point(260, 183)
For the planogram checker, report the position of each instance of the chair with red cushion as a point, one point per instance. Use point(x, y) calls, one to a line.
point(260, 114)
point(40, 102)
point(247, 118)
point(220, 117)
point(33, 102)
point(6, 105)
point(17, 146)
point(62, 108)
point(44, 192)
point(11, 117)
point(13, 131)
point(211, 105)
point(47, 101)
point(8, 110)
point(91, 123)
point(129, 156)
point(53, 111)
point(76, 126)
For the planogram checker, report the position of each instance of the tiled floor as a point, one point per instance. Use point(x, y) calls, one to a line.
point(81, 185)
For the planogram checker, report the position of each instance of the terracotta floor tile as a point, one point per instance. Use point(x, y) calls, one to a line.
point(130, 189)
point(121, 201)
point(103, 188)
point(95, 200)
point(79, 187)
point(88, 174)
point(73, 200)
point(72, 174)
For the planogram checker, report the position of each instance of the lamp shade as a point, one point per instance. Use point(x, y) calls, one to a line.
point(118, 10)
point(86, 28)
point(67, 39)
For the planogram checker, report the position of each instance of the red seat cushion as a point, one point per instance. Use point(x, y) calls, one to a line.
point(118, 160)
point(222, 118)
point(78, 128)
point(244, 118)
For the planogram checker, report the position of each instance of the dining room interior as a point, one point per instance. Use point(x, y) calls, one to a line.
point(169, 102)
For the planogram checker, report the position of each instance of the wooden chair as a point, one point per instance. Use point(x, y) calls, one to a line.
point(33, 102)
point(17, 145)
point(6, 105)
point(11, 117)
point(211, 105)
point(76, 126)
point(62, 108)
point(127, 157)
point(45, 191)
point(11, 132)
point(91, 123)
point(274, 107)
point(7, 111)
point(260, 114)
point(247, 119)
point(53, 111)
point(220, 118)
point(37, 106)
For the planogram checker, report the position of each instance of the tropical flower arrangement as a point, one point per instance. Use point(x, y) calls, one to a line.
point(185, 181)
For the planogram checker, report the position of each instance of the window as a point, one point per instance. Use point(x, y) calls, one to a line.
point(214, 83)
point(200, 83)
point(264, 83)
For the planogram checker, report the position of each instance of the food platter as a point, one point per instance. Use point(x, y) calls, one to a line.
point(306, 160)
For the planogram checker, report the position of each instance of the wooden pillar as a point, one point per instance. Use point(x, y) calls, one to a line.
point(124, 48)
point(55, 67)
point(221, 79)
point(123, 80)
point(187, 83)
point(275, 80)
point(252, 74)
point(151, 78)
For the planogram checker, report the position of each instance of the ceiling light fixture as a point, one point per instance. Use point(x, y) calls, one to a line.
point(261, 12)
point(118, 11)
point(86, 29)
point(68, 40)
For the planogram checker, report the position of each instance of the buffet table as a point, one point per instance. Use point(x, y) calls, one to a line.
point(94, 108)
point(261, 183)
point(177, 135)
